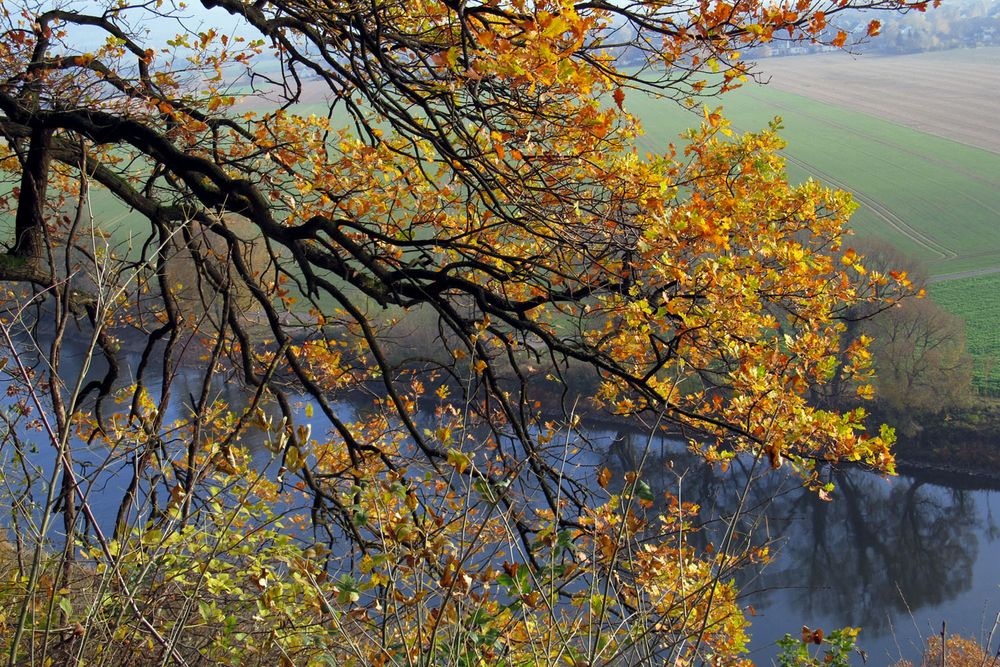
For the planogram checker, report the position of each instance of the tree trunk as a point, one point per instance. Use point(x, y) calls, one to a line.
point(31, 201)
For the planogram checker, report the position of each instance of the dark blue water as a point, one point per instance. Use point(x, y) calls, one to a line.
point(894, 556)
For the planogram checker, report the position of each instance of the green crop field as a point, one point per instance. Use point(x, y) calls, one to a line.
point(936, 200)
point(977, 301)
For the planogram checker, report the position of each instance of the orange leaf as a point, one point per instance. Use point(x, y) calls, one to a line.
point(619, 96)
point(774, 455)
point(812, 636)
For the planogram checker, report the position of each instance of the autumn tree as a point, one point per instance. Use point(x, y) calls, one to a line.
point(923, 365)
point(917, 350)
point(302, 180)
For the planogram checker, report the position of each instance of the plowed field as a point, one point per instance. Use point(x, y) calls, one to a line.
point(951, 94)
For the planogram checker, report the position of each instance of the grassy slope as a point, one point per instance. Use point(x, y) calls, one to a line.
point(977, 301)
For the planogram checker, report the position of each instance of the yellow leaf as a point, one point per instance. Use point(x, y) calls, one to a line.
point(459, 460)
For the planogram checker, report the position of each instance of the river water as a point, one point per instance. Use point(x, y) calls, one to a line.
point(894, 556)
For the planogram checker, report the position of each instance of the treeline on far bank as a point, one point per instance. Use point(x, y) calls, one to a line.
point(923, 380)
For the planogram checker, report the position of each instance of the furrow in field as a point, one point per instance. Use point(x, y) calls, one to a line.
point(889, 217)
point(907, 90)
point(958, 275)
point(884, 213)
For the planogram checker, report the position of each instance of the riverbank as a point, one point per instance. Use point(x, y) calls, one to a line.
point(963, 445)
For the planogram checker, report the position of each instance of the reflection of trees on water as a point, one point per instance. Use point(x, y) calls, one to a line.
point(857, 558)
point(669, 467)
point(878, 548)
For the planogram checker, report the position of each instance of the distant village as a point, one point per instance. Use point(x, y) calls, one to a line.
point(955, 24)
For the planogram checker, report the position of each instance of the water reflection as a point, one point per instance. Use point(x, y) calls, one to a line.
point(880, 549)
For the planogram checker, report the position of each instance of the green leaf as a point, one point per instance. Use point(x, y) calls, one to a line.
point(66, 606)
point(643, 491)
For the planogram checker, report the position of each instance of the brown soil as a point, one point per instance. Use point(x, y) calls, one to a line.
point(951, 94)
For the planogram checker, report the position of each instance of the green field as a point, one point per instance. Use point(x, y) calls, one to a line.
point(936, 200)
point(977, 301)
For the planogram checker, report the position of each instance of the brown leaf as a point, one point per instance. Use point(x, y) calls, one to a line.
point(774, 455)
point(619, 96)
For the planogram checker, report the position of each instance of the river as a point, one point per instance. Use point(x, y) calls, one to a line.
point(895, 556)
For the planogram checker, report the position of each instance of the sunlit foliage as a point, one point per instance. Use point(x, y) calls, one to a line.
point(400, 248)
